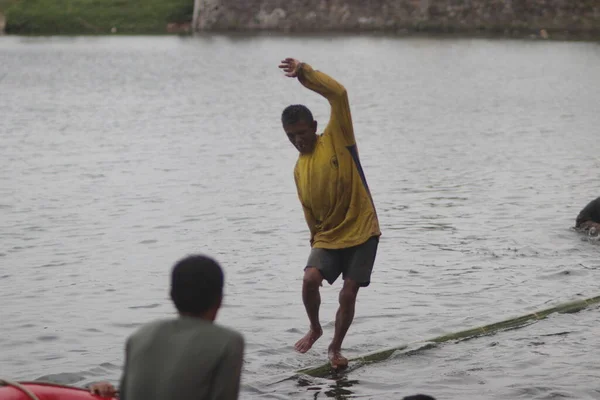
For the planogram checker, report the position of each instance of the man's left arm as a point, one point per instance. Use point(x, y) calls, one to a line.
point(229, 371)
point(311, 222)
point(126, 364)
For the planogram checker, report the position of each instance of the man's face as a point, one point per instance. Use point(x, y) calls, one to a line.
point(303, 135)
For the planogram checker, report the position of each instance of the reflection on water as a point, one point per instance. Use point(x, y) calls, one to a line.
point(122, 154)
point(339, 388)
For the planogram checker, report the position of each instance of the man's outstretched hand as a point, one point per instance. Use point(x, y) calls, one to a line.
point(103, 389)
point(290, 66)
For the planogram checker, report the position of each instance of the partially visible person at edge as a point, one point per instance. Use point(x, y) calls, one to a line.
point(188, 357)
point(337, 204)
point(588, 219)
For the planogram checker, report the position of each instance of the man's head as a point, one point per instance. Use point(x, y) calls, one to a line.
point(197, 286)
point(300, 127)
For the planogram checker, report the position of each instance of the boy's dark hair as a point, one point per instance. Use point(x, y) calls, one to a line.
point(591, 212)
point(296, 113)
point(419, 397)
point(196, 284)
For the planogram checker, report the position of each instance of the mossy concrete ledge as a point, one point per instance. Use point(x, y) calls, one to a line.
point(542, 18)
point(325, 370)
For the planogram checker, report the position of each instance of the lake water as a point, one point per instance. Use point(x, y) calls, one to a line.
point(120, 155)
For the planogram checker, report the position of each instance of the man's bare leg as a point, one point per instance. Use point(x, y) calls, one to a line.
point(312, 301)
point(343, 320)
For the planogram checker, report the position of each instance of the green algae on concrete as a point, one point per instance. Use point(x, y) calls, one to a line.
point(80, 17)
point(325, 370)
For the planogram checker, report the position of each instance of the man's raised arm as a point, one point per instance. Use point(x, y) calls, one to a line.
point(321, 83)
point(327, 87)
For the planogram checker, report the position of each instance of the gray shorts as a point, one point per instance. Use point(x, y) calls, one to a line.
point(355, 263)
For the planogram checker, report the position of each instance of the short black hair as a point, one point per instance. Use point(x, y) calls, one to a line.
point(591, 212)
point(419, 397)
point(196, 284)
point(296, 113)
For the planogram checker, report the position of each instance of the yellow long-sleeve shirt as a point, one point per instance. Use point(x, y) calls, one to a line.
point(332, 188)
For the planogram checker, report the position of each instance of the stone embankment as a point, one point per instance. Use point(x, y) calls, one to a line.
point(578, 18)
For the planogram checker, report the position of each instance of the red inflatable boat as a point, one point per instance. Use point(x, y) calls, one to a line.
point(44, 391)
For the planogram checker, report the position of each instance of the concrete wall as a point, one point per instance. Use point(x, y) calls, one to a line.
point(2, 24)
point(503, 16)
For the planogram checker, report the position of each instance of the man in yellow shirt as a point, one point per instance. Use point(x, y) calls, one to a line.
point(337, 204)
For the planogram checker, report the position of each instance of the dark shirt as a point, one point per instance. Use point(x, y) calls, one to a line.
point(182, 359)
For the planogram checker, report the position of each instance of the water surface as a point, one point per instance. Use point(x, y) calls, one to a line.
point(122, 154)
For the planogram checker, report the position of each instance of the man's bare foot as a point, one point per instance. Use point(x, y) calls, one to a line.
point(337, 360)
point(303, 345)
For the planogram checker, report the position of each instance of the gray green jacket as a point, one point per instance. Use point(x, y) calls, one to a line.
point(182, 359)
